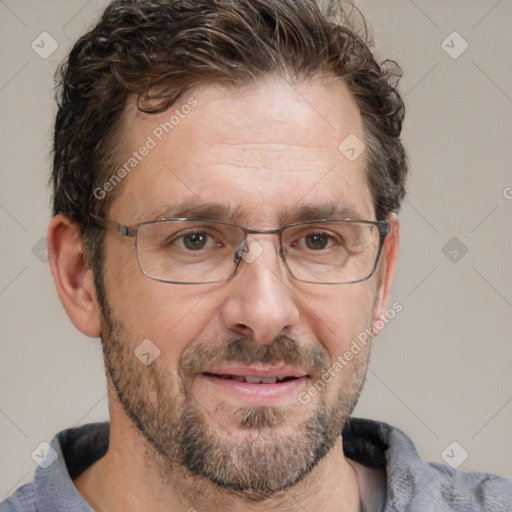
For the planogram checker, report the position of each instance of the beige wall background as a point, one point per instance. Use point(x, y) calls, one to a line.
point(441, 371)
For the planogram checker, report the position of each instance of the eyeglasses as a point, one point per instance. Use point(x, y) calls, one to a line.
point(198, 251)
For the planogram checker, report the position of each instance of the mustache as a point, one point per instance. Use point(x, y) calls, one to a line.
point(281, 350)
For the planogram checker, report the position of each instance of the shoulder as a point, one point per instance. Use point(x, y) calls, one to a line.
point(478, 492)
point(21, 500)
point(69, 454)
point(439, 487)
point(413, 484)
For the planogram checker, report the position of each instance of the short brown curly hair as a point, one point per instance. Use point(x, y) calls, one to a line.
point(173, 45)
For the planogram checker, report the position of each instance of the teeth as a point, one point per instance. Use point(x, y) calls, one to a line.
point(263, 380)
point(254, 380)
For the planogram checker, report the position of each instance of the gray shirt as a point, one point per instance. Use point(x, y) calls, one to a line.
point(412, 485)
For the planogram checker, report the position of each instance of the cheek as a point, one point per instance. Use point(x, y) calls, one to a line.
point(340, 315)
point(169, 315)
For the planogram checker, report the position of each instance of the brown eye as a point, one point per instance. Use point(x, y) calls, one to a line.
point(317, 241)
point(195, 241)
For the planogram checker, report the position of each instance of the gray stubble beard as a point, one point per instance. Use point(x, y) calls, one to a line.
point(183, 438)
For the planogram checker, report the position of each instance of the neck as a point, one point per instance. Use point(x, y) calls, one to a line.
point(130, 478)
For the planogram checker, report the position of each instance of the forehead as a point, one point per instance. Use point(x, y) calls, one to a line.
point(264, 153)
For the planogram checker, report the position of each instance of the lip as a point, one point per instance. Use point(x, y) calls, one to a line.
point(256, 395)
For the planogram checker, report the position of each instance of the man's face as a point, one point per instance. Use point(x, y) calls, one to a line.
point(261, 152)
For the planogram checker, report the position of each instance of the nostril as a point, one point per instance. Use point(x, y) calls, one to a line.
point(243, 329)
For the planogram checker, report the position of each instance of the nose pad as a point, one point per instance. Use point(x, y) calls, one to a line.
point(240, 250)
point(249, 251)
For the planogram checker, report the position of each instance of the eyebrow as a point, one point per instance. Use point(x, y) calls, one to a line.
point(198, 210)
point(221, 212)
point(332, 210)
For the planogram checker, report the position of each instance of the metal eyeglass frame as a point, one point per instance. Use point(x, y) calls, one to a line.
point(131, 231)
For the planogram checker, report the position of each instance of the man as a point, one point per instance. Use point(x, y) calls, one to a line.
point(226, 176)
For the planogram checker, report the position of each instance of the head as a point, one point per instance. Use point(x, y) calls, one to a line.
point(238, 111)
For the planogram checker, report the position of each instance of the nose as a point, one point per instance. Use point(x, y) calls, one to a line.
point(260, 300)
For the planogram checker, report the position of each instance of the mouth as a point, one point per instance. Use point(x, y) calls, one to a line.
point(256, 386)
point(252, 380)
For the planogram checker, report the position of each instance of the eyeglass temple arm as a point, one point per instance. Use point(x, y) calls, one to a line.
point(121, 229)
point(384, 228)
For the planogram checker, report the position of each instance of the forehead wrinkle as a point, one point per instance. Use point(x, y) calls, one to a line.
point(270, 146)
point(270, 156)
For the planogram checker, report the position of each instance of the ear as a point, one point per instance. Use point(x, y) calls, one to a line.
point(385, 272)
point(72, 275)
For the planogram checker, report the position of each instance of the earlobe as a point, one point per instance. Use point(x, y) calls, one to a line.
point(72, 276)
point(386, 271)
